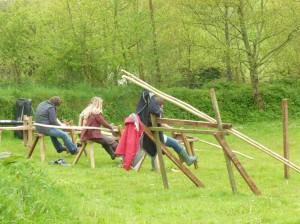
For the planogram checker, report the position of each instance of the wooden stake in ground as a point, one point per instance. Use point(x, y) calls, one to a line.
point(159, 153)
point(285, 136)
point(220, 128)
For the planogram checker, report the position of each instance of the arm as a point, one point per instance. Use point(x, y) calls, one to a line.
point(103, 122)
point(52, 116)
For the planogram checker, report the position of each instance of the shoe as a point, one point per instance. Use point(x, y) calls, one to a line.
point(62, 150)
point(61, 162)
point(75, 152)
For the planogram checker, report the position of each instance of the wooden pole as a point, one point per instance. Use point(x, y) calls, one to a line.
point(285, 136)
point(220, 128)
point(30, 130)
point(25, 131)
point(159, 153)
point(237, 164)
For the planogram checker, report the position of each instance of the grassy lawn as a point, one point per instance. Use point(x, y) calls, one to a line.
point(35, 192)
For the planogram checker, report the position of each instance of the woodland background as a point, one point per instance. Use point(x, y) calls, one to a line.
point(184, 43)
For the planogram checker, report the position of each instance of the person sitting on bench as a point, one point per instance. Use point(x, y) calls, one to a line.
point(92, 116)
point(46, 114)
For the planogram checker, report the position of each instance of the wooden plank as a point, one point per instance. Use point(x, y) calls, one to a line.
point(199, 124)
point(175, 160)
point(192, 131)
point(237, 164)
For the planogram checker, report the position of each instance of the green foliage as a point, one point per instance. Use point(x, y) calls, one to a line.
point(28, 195)
point(84, 41)
point(235, 100)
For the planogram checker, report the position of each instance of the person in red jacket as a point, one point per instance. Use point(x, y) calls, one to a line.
point(92, 116)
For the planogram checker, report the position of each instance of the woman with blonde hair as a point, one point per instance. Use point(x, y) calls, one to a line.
point(92, 116)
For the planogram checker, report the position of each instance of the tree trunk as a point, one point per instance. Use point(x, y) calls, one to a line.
point(158, 73)
point(254, 86)
point(252, 58)
point(227, 55)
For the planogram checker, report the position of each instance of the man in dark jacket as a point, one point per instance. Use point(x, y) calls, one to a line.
point(46, 114)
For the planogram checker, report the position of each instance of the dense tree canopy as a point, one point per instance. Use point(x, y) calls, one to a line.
point(175, 43)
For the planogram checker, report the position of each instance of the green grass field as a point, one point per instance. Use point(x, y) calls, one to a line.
point(35, 192)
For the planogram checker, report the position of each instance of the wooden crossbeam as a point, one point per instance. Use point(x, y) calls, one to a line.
point(191, 131)
point(199, 124)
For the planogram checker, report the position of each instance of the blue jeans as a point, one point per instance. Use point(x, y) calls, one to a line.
point(55, 133)
point(171, 142)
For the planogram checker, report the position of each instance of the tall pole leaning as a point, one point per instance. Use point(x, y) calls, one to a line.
point(220, 128)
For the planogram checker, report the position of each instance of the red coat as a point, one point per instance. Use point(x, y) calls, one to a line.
point(94, 120)
point(129, 143)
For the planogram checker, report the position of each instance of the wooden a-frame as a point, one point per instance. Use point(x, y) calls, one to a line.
point(218, 134)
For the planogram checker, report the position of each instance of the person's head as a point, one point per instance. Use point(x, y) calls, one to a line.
point(96, 103)
point(160, 101)
point(55, 100)
point(95, 107)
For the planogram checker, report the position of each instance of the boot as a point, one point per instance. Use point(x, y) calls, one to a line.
point(189, 160)
point(110, 151)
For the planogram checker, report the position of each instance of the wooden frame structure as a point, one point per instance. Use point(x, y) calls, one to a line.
point(219, 134)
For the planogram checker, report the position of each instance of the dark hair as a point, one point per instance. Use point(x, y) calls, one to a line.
point(160, 101)
point(55, 100)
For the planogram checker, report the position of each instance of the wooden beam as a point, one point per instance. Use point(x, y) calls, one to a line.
point(237, 164)
point(192, 131)
point(199, 124)
point(220, 128)
point(159, 153)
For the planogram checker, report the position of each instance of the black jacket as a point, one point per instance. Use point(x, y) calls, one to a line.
point(147, 105)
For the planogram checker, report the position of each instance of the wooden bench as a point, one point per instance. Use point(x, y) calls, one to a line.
point(38, 136)
point(91, 152)
point(116, 134)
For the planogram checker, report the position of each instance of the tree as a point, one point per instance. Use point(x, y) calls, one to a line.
point(250, 23)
